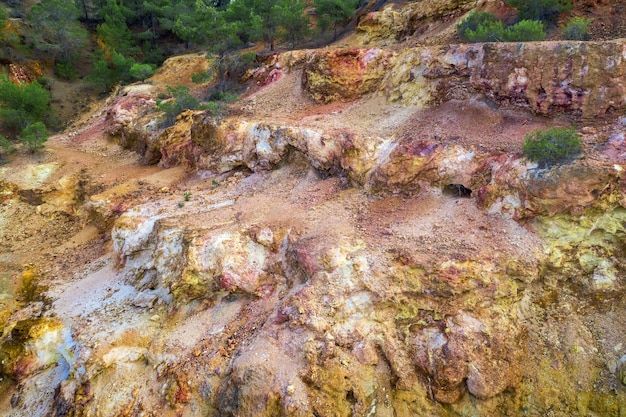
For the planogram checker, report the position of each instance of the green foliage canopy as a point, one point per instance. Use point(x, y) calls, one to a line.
point(6, 147)
point(552, 146)
point(34, 136)
point(525, 31)
point(206, 25)
point(334, 12)
point(292, 20)
point(58, 31)
point(108, 72)
point(22, 104)
point(485, 27)
point(181, 99)
point(4, 15)
point(114, 33)
point(544, 10)
point(141, 71)
point(473, 21)
point(577, 29)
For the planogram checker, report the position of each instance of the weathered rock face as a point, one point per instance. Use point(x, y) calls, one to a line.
point(407, 164)
point(130, 121)
point(332, 275)
point(344, 74)
point(467, 353)
point(204, 142)
point(35, 344)
point(439, 329)
point(395, 22)
point(346, 317)
point(521, 189)
point(585, 79)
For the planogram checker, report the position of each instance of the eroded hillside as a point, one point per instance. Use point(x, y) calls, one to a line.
point(361, 235)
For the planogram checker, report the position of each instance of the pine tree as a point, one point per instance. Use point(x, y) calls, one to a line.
point(249, 24)
point(22, 104)
point(58, 31)
point(114, 33)
point(4, 15)
point(292, 20)
point(265, 10)
point(334, 12)
point(544, 10)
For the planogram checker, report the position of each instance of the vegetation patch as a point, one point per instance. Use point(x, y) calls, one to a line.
point(543, 10)
point(552, 146)
point(533, 17)
point(23, 107)
point(577, 29)
point(180, 99)
point(485, 27)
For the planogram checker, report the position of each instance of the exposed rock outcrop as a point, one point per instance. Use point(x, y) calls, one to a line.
point(584, 79)
point(310, 265)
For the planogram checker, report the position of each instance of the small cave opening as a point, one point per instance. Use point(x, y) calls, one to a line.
point(350, 397)
point(457, 190)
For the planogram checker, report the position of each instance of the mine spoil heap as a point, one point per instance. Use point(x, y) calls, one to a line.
point(360, 236)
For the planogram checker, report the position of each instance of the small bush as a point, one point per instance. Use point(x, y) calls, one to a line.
point(472, 22)
point(487, 32)
point(112, 70)
point(181, 100)
point(141, 71)
point(65, 70)
point(552, 146)
point(22, 104)
point(216, 108)
point(6, 147)
point(202, 77)
point(223, 96)
point(34, 136)
point(544, 10)
point(525, 31)
point(577, 29)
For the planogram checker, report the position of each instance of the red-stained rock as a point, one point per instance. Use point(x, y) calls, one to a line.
point(521, 189)
point(469, 354)
point(131, 121)
point(410, 163)
point(343, 74)
point(584, 79)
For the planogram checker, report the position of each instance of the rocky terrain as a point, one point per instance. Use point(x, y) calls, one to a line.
point(360, 235)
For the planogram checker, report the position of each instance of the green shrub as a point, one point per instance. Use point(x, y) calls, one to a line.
point(202, 77)
point(472, 22)
point(34, 136)
point(486, 32)
point(552, 146)
point(22, 104)
point(109, 71)
point(65, 70)
point(525, 31)
point(141, 71)
point(181, 99)
point(223, 96)
point(544, 10)
point(6, 147)
point(215, 108)
point(577, 29)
